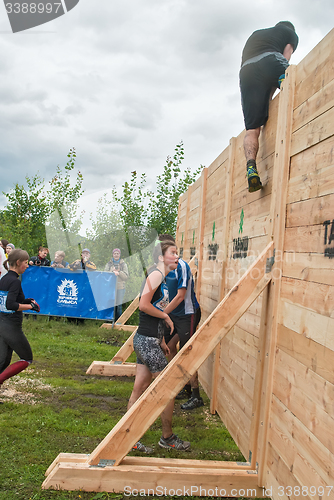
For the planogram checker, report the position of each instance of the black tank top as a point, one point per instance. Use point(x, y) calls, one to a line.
point(148, 325)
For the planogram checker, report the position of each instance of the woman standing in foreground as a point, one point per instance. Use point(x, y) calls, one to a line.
point(12, 303)
point(149, 344)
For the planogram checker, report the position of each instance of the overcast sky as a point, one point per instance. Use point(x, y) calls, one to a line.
point(124, 81)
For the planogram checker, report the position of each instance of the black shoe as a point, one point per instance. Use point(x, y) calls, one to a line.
point(184, 394)
point(192, 403)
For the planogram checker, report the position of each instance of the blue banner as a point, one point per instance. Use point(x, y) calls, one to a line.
point(78, 294)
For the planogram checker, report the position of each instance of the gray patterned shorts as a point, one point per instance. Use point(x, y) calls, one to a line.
point(149, 352)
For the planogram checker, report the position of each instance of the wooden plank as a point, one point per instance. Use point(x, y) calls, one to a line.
point(318, 157)
point(202, 195)
point(218, 162)
point(246, 341)
point(145, 461)
point(109, 369)
point(319, 298)
point(244, 384)
point(309, 267)
point(300, 467)
point(310, 212)
point(233, 421)
point(318, 104)
point(125, 328)
point(284, 478)
point(125, 351)
point(313, 355)
point(312, 185)
point(304, 239)
point(318, 390)
point(151, 404)
point(231, 382)
point(315, 70)
point(232, 352)
point(315, 418)
point(226, 222)
point(153, 480)
point(250, 323)
point(308, 323)
point(303, 441)
point(276, 229)
point(258, 381)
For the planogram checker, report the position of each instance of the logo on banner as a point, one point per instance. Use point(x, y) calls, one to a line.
point(67, 293)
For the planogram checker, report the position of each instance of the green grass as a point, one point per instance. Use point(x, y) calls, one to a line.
point(54, 407)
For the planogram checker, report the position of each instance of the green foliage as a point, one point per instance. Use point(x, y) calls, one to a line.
point(105, 233)
point(63, 223)
point(170, 185)
point(23, 219)
point(156, 209)
point(35, 215)
point(134, 211)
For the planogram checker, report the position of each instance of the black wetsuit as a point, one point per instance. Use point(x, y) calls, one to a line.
point(12, 337)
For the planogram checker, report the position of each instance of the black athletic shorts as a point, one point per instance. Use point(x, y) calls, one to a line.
point(257, 80)
point(184, 326)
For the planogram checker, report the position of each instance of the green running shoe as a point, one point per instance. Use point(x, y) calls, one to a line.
point(254, 182)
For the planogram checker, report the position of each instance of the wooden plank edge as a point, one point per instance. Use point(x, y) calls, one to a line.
point(107, 369)
point(143, 461)
point(202, 482)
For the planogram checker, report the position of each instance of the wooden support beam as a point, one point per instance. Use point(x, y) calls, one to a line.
point(186, 248)
point(109, 369)
point(151, 404)
point(123, 328)
point(276, 231)
point(201, 231)
point(149, 461)
point(258, 383)
point(155, 477)
point(226, 228)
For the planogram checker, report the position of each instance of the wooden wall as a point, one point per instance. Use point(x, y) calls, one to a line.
point(293, 441)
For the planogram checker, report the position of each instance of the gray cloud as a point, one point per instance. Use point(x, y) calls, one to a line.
point(124, 82)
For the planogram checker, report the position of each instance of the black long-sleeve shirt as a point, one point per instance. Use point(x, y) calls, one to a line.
point(11, 284)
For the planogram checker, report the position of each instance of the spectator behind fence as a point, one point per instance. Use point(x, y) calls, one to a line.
point(119, 267)
point(40, 259)
point(59, 260)
point(3, 244)
point(9, 248)
point(84, 263)
point(3, 270)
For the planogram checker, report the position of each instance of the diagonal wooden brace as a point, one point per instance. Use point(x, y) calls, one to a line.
point(151, 404)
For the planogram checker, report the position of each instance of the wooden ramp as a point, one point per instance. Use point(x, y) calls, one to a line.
point(107, 469)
